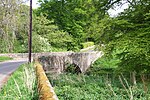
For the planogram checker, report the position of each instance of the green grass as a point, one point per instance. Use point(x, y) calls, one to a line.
point(95, 87)
point(4, 58)
point(21, 85)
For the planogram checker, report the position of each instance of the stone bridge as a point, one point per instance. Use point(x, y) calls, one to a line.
point(57, 61)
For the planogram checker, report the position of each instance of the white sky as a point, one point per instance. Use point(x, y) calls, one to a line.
point(34, 3)
point(118, 9)
point(112, 12)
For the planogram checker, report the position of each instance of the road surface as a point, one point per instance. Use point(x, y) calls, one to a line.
point(6, 68)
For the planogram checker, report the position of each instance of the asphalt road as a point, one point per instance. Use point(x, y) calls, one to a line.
point(6, 68)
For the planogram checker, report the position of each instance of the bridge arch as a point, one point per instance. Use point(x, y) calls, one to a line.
point(57, 61)
point(72, 68)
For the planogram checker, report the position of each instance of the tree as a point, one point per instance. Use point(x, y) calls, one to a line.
point(77, 17)
point(128, 37)
point(8, 23)
point(55, 38)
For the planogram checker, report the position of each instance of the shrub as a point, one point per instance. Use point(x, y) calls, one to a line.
point(87, 44)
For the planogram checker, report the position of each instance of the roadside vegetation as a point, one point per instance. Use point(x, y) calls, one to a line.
point(99, 87)
point(21, 85)
point(4, 58)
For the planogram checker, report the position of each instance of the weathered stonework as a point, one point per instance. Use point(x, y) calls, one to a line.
point(45, 90)
point(57, 61)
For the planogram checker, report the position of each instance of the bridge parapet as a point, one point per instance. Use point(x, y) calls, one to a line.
point(57, 61)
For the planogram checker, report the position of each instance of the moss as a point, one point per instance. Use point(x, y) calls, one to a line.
point(45, 89)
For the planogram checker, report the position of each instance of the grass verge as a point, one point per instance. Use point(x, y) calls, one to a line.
point(21, 85)
point(4, 58)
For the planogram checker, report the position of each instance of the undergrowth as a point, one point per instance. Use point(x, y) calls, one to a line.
point(104, 87)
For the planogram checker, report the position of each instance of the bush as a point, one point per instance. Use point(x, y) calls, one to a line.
point(87, 44)
point(40, 44)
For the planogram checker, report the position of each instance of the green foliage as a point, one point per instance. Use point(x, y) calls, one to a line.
point(54, 49)
point(40, 44)
point(132, 48)
point(136, 11)
point(104, 65)
point(63, 25)
point(127, 37)
point(94, 87)
point(64, 16)
point(48, 32)
point(14, 26)
point(78, 17)
point(4, 58)
point(46, 35)
point(21, 85)
point(87, 44)
point(134, 52)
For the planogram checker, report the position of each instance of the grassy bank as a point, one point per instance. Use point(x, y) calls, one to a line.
point(21, 85)
point(4, 58)
point(104, 87)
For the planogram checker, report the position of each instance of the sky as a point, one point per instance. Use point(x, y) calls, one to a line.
point(112, 12)
point(34, 3)
point(118, 9)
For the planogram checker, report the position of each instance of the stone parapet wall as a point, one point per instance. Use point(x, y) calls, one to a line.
point(15, 55)
point(58, 61)
point(45, 89)
point(34, 55)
